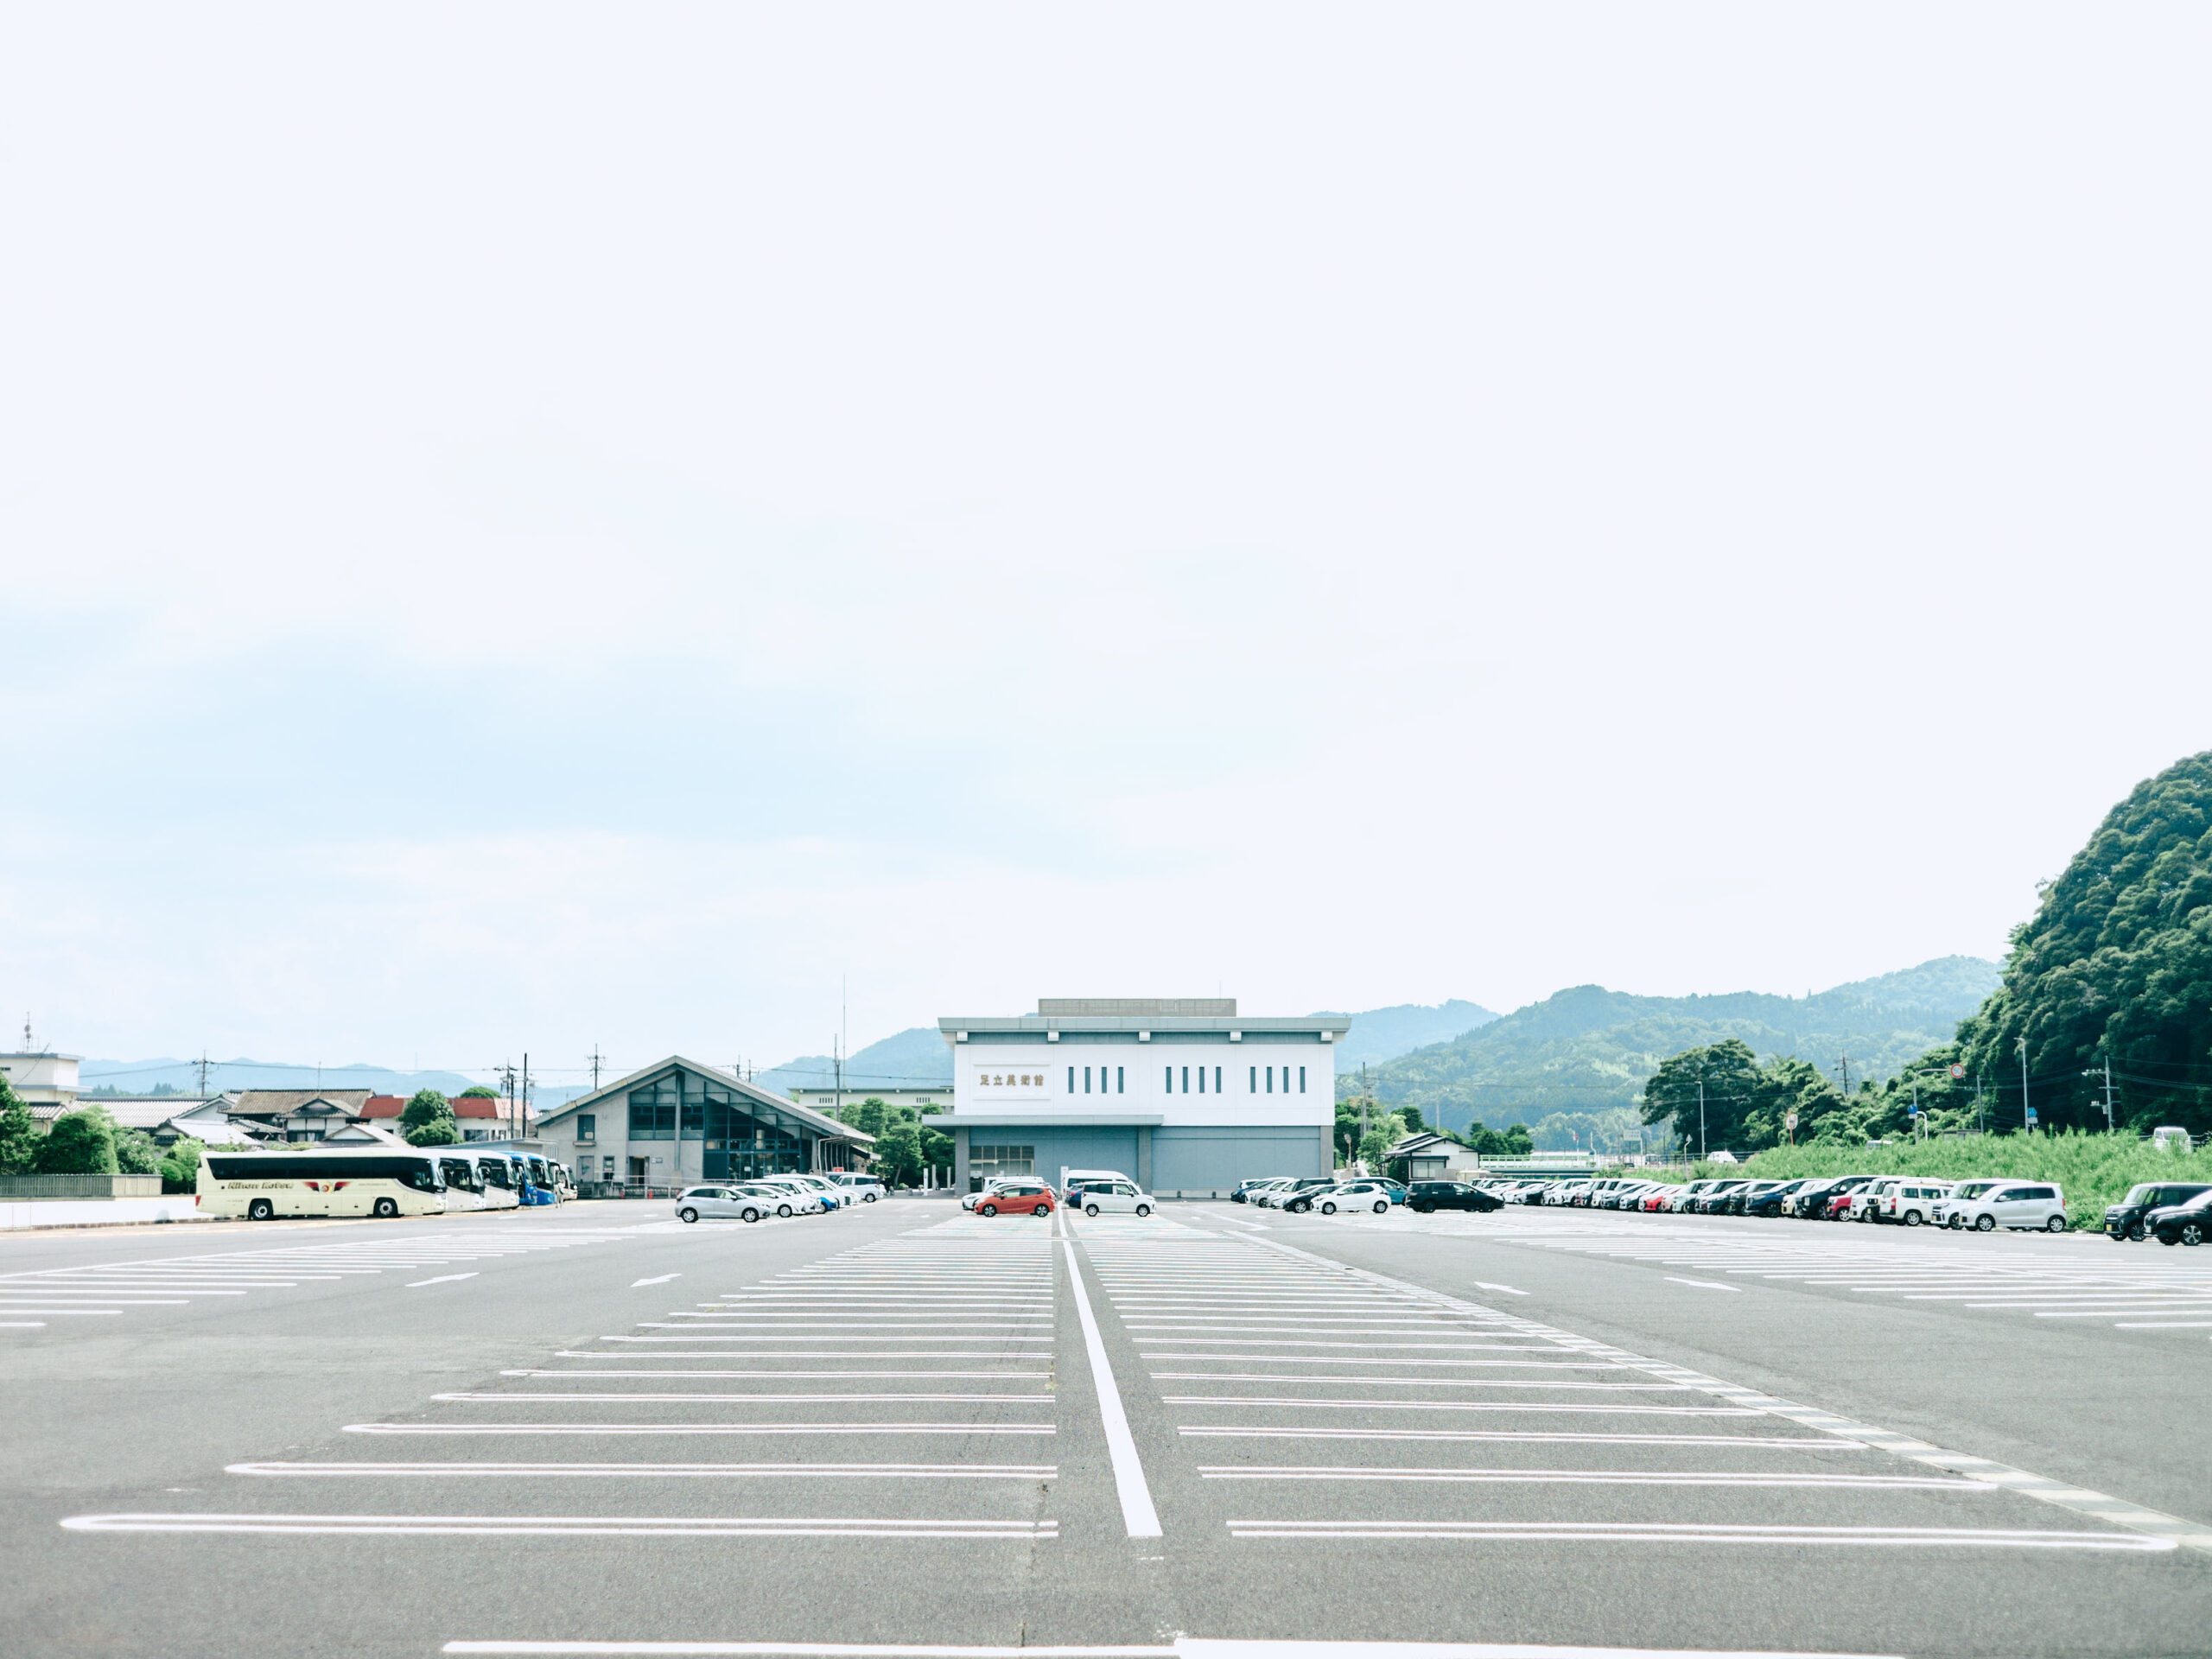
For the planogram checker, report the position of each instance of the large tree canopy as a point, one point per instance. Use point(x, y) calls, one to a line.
point(2115, 965)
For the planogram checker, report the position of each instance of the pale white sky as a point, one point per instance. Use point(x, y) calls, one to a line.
point(530, 526)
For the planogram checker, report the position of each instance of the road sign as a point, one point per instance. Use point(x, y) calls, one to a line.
point(2032, 1114)
point(1958, 1073)
point(1789, 1120)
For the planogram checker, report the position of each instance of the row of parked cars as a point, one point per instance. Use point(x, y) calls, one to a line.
point(1906, 1200)
point(1329, 1194)
point(2173, 1212)
point(775, 1195)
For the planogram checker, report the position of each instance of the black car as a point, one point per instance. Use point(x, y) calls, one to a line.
point(2124, 1220)
point(1242, 1187)
point(1810, 1202)
point(1422, 1196)
point(1773, 1202)
point(2182, 1224)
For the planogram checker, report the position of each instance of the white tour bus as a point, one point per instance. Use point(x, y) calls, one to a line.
point(303, 1179)
point(476, 1180)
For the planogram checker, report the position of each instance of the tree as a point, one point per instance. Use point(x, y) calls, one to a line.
point(425, 1104)
point(475, 1091)
point(181, 1165)
point(2115, 966)
point(898, 1153)
point(137, 1155)
point(81, 1142)
point(19, 1135)
point(437, 1132)
point(870, 1116)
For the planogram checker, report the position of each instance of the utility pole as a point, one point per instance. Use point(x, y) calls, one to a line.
point(522, 1117)
point(2027, 1112)
point(1980, 1124)
point(596, 1059)
point(837, 1071)
point(2108, 1094)
point(1701, 1120)
point(202, 1064)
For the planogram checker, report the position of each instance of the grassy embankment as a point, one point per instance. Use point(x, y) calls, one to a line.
point(2093, 1170)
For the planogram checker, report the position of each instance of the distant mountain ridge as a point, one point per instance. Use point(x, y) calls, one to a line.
point(1382, 1034)
point(1587, 1049)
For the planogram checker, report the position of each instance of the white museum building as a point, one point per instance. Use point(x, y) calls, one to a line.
point(1183, 1093)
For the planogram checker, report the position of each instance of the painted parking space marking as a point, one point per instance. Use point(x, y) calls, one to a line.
point(442, 1279)
point(1701, 1284)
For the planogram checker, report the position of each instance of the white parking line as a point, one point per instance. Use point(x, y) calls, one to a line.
point(1702, 1284)
point(811, 1429)
point(1662, 1532)
point(519, 1526)
point(1596, 1477)
point(1182, 1648)
point(637, 1284)
point(1138, 1515)
point(1025, 1471)
point(442, 1279)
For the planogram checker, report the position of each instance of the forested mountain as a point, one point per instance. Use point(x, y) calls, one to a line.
point(1382, 1034)
point(1587, 1051)
point(2115, 965)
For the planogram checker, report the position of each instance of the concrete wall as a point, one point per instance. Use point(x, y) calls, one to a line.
point(16, 1188)
point(99, 1212)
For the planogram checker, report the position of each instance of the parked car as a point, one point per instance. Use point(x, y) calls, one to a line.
point(867, 1188)
point(1912, 1203)
point(1345, 1195)
point(2023, 1206)
point(1242, 1194)
point(1865, 1200)
point(969, 1200)
point(1771, 1200)
point(1288, 1196)
point(790, 1197)
point(2124, 1220)
point(1113, 1198)
point(721, 1201)
point(2182, 1224)
point(1689, 1193)
point(1837, 1207)
point(1426, 1198)
point(1811, 1200)
point(1016, 1197)
point(1714, 1198)
point(1951, 1208)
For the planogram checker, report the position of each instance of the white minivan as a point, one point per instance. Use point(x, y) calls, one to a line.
point(1116, 1197)
point(2022, 1206)
point(1911, 1202)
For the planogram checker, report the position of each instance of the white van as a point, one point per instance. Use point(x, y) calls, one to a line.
point(867, 1188)
point(2020, 1206)
point(1911, 1202)
point(1115, 1197)
point(1072, 1178)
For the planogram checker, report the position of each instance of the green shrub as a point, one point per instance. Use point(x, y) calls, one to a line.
point(181, 1167)
point(437, 1132)
point(79, 1143)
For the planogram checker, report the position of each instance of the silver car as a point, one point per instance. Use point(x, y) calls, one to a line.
point(721, 1201)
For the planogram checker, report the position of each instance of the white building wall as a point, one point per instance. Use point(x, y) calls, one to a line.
point(1031, 1080)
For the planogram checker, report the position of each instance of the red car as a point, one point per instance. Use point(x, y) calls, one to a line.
point(1837, 1208)
point(1021, 1198)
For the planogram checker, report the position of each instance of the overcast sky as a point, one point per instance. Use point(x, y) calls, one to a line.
point(534, 527)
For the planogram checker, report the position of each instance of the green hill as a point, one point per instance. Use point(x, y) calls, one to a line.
point(1588, 1050)
point(2115, 966)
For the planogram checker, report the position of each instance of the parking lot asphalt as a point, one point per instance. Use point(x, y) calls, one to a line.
point(599, 1430)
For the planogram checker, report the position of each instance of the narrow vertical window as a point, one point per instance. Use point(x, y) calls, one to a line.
point(1070, 1079)
point(1202, 1079)
point(1217, 1079)
point(1253, 1086)
point(1186, 1079)
point(1086, 1079)
point(1117, 1080)
point(1170, 1079)
point(1301, 1079)
point(1271, 1080)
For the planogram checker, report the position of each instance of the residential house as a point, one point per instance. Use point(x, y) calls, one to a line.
point(300, 1114)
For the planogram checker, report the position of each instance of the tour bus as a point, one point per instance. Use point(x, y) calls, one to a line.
point(307, 1180)
point(477, 1180)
